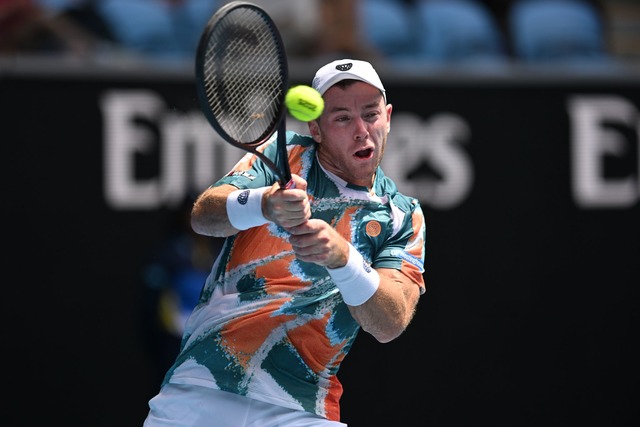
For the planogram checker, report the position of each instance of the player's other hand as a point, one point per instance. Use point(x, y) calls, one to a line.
point(316, 241)
point(287, 207)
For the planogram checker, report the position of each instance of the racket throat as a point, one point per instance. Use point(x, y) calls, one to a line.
point(283, 157)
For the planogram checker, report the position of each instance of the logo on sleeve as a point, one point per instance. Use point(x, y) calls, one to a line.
point(373, 228)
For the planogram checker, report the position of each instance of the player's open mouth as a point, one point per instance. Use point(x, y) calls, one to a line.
point(364, 154)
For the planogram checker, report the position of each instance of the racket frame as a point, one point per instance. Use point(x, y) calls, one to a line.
point(281, 166)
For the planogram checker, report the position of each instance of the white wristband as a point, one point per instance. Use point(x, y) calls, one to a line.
point(244, 208)
point(357, 280)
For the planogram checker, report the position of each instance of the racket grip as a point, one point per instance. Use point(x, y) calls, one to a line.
point(290, 185)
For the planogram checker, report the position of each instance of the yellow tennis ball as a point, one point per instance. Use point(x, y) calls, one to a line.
point(304, 103)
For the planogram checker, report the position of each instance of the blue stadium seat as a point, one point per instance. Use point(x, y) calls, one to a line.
point(386, 25)
point(553, 31)
point(459, 31)
point(155, 28)
point(142, 26)
point(190, 19)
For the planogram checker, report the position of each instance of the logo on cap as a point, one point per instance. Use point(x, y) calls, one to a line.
point(344, 67)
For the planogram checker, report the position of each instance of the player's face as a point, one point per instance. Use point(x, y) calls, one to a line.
point(352, 132)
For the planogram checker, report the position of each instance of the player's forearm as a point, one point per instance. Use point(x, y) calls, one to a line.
point(390, 310)
point(209, 215)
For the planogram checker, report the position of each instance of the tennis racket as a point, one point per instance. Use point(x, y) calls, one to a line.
point(242, 77)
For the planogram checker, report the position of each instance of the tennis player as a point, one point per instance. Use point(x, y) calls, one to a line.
point(301, 272)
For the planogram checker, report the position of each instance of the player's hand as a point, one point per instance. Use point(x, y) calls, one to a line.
point(287, 207)
point(316, 241)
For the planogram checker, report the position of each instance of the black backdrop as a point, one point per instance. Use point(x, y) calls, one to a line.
point(531, 315)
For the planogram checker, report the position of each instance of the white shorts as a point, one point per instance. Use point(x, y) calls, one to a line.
point(178, 405)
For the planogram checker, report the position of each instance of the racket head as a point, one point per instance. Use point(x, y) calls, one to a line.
point(242, 74)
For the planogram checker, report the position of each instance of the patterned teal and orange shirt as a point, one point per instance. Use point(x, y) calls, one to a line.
point(274, 328)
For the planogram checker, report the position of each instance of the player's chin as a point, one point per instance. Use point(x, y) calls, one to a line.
point(364, 164)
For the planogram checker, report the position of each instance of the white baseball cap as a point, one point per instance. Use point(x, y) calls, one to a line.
point(343, 69)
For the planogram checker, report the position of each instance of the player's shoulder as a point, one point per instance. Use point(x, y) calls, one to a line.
point(406, 203)
point(402, 201)
point(295, 138)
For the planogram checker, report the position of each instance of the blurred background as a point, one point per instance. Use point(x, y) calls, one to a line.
point(515, 122)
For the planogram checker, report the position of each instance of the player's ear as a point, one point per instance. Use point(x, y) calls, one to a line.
point(314, 131)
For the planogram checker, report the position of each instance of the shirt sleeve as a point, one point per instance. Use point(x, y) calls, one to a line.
point(251, 171)
point(405, 250)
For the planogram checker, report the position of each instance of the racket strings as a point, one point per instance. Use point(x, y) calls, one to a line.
point(244, 81)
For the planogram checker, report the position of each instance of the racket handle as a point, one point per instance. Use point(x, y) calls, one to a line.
point(289, 185)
